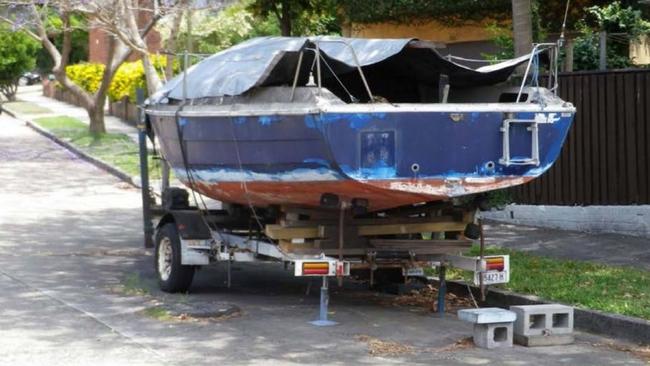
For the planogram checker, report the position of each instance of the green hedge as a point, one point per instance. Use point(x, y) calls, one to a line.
point(407, 11)
point(129, 77)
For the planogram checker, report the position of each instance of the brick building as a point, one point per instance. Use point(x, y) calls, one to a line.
point(98, 39)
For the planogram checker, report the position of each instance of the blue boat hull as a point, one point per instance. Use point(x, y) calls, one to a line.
point(389, 158)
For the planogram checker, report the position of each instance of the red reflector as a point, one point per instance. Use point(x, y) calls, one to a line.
point(315, 271)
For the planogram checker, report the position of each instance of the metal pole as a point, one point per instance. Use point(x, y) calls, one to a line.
point(481, 255)
point(188, 18)
point(523, 81)
point(229, 270)
point(356, 61)
point(318, 75)
point(324, 300)
point(363, 77)
point(442, 290)
point(295, 78)
point(341, 237)
point(324, 303)
point(144, 173)
point(186, 61)
point(602, 65)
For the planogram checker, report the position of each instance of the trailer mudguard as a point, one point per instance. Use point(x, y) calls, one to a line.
point(190, 224)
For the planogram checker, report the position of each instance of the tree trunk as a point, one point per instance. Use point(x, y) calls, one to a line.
point(96, 115)
point(153, 80)
point(171, 46)
point(522, 26)
point(285, 19)
point(568, 55)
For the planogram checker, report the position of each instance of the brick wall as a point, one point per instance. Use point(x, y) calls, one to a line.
point(97, 45)
point(98, 39)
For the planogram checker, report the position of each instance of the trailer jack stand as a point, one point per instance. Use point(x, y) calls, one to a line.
point(324, 302)
point(442, 292)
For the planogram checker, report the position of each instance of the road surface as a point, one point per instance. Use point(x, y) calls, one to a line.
point(76, 287)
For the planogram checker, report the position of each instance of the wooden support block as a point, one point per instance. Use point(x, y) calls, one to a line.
point(401, 220)
point(288, 247)
point(367, 230)
point(279, 232)
point(468, 216)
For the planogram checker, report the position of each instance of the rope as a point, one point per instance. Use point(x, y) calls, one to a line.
point(471, 295)
point(566, 14)
point(535, 66)
point(190, 176)
point(243, 182)
point(352, 98)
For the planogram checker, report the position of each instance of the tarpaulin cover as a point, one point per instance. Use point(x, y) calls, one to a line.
point(273, 61)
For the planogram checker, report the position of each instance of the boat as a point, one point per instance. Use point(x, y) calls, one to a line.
point(381, 123)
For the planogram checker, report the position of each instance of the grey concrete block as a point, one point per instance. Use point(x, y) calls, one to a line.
point(486, 315)
point(541, 340)
point(495, 335)
point(543, 320)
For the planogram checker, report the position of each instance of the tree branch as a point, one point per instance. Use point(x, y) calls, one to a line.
point(67, 39)
point(27, 31)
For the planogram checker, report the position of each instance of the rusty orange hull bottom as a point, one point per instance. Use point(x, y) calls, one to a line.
point(381, 194)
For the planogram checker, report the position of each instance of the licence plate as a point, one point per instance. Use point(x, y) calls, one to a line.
point(414, 272)
point(494, 277)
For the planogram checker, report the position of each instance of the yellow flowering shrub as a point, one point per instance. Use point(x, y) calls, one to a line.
point(129, 77)
point(86, 75)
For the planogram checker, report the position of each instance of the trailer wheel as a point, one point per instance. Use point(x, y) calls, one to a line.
point(172, 275)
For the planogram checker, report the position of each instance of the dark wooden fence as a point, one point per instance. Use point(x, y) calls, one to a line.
point(123, 109)
point(606, 158)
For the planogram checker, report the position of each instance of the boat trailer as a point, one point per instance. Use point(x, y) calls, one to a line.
point(339, 240)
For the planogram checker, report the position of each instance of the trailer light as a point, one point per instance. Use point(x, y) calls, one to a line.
point(496, 269)
point(316, 268)
point(495, 264)
point(327, 267)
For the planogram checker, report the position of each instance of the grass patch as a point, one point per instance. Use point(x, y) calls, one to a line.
point(116, 149)
point(158, 313)
point(26, 108)
point(133, 285)
point(63, 124)
point(621, 290)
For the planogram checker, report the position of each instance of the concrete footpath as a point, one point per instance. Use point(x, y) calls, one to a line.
point(34, 94)
point(611, 249)
point(77, 289)
point(632, 220)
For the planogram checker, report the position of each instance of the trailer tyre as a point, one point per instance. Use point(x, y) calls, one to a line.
point(172, 275)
